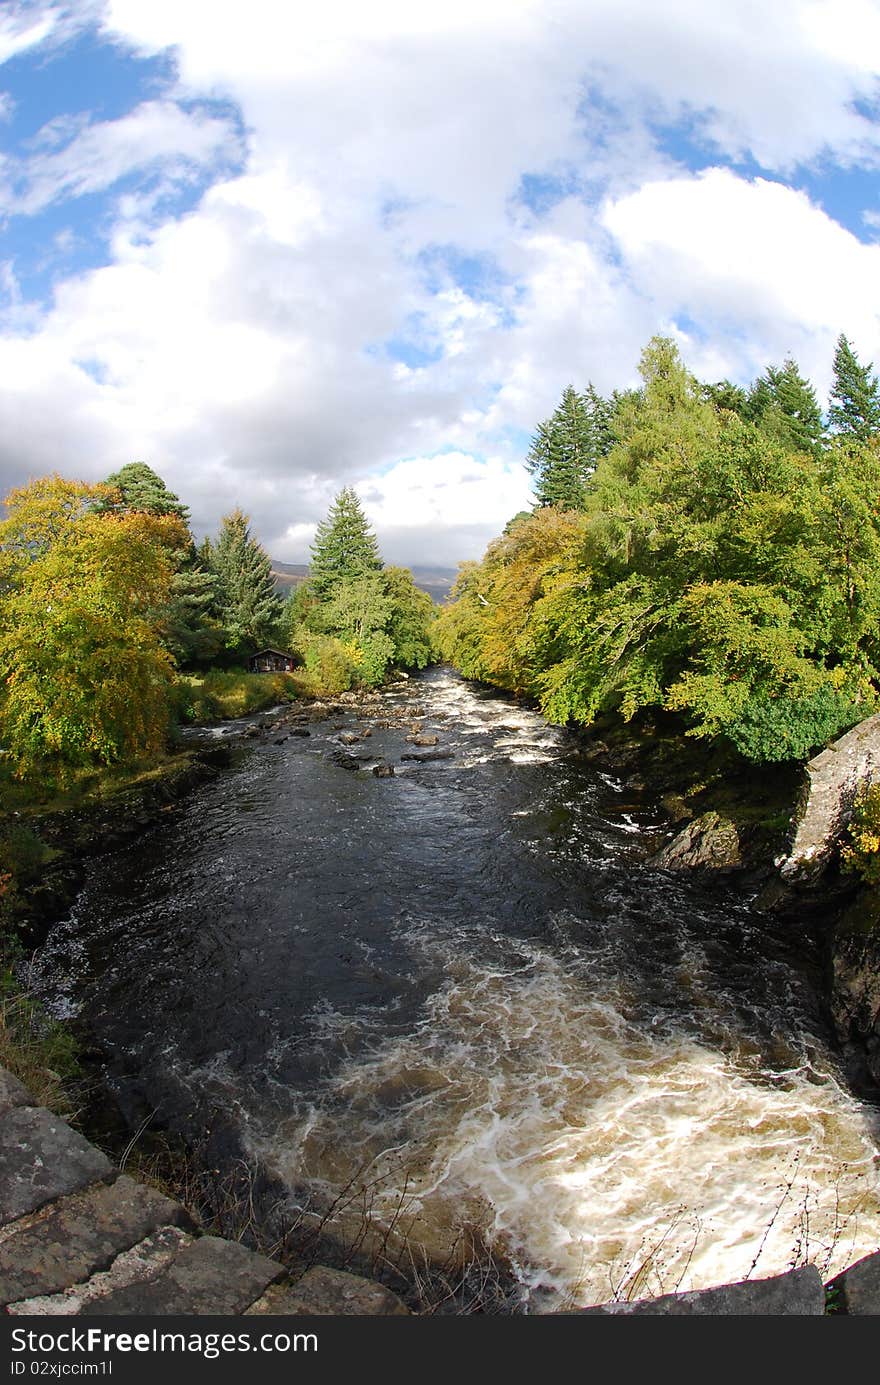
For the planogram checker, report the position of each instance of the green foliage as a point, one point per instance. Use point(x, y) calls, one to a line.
point(140, 489)
point(784, 406)
point(411, 616)
point(186, 622)
point(725, 567)
point(248, 606)
point(370, 617)
point(566, 447)
point(329, 665)
point(855, 396)
point(220, 695)
point(345, 547)
point(87, 679)
point(862, 854)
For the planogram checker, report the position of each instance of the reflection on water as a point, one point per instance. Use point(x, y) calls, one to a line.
point(462, 986)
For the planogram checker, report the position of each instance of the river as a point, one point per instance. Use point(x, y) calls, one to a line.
point(462, 991)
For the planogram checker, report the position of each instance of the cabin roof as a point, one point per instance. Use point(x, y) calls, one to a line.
point(280, 652)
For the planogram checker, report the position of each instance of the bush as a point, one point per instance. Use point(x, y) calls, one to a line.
point(330, 665)
point(863, 852)
point(791, 728)
point(219, 696)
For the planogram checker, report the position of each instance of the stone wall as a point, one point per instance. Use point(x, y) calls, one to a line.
point(832, 779)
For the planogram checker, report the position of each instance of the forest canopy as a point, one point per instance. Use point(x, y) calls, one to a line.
point(701, 548)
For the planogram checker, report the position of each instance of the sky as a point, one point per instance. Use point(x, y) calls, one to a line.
point(278, 248)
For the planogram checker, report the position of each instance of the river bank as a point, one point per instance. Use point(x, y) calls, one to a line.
point(517, 764)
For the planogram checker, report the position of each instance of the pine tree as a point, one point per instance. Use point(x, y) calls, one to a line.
point(142, 491)
point(247, 602)
point(855, 410)
point(565, 449)
point(345, 546)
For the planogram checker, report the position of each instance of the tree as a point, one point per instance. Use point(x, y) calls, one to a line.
point(189, 631)
point(563, 453)
point(855, 394)
point(345, 546)
point(411, 618)
point(141, 490)
point(87, 680)
point(784, 406)
point(247, 602)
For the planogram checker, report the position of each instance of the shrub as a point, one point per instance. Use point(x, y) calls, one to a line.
point(221, 695)
point(330, 665)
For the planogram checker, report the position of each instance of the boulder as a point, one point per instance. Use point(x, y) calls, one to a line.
point(12, 1093)
point(426, 756)
point(710, 842)
point(422, 740)
point(857, 1290)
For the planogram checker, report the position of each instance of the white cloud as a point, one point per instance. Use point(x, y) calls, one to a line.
point(155, 134)
point(239, 348)
point(729, 252)
point(446, 507)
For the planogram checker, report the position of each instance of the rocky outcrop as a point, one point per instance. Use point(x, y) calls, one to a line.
point(710, 842)
point(854, 948)
point(831, 782)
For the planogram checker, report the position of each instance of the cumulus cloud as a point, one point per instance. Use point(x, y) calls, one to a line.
point(445, 214)
point(725, 250)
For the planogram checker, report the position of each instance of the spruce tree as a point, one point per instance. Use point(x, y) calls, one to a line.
point(247, 602)
point(855, 408)
point(565, 449)
point(784, 406)
point(345, 546)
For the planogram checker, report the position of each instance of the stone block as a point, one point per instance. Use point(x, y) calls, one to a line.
point(41, 1159)
point(68, 1241)
point(858, 1288)
point(799, 1292)
point(209, 1277)
point(133, 1269)
point(323, 1291)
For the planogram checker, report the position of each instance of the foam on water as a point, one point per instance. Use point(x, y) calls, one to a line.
point(593, 1151)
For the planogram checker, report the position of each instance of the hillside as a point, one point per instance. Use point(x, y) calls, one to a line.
point(436, 581)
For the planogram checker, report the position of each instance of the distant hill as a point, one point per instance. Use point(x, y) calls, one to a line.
point(436, 581)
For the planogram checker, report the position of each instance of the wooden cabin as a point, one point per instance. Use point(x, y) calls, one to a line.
point(271, 661)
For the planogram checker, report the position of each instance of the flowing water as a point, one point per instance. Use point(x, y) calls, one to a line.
point(462, 989)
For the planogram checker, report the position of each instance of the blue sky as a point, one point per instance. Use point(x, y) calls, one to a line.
point(280, 248)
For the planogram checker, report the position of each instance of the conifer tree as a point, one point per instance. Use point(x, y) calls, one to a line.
point(142, 491)
point(247, 602)
point(855, 408)
point(566, 447)
point(345, 546)
point(784, 406)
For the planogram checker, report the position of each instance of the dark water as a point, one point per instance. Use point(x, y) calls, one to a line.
point(463, 985)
